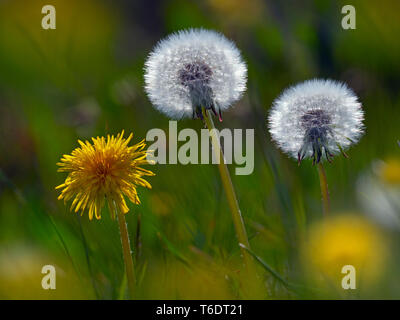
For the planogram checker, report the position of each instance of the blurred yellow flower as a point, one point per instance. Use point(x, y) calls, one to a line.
point(344, 240)
point(199, 281)
point(108, 170)
point(390, 171)
point(21, 276)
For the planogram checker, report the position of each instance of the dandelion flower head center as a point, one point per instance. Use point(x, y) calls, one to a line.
point(195, 74)
point(196, 77)
point(315, 119)
point(104, 167)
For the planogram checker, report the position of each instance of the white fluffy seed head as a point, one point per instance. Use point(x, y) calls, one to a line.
point(316, 118)
point(192, 69)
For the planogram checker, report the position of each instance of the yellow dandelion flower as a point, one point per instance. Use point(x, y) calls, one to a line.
point(345, 240)
point(107, 170)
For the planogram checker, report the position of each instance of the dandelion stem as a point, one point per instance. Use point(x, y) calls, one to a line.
point(324, 189)
point(126, 249)
point(240, 229)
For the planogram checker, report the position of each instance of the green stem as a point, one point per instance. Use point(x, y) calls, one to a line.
point(324, 189)
point(126, 249)
point(240, 229)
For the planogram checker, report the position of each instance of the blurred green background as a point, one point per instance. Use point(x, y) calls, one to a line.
point(86, 79)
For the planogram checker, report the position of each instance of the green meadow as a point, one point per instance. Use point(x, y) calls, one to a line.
point(85, 79)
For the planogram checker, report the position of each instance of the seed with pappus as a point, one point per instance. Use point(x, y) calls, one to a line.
point(192, 69)
point(316, 117)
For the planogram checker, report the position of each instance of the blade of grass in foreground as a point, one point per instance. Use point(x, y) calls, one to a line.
point(122, 288)
point(275, 274)
point(171, 248)
point(295, 288)
point(85, 246)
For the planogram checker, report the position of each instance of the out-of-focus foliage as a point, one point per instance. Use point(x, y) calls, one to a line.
point(86, 79)
point(345, 240)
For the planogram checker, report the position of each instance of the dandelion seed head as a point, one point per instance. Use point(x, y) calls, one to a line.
point(316, 117)
point(107, 170)
point(192, 69)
